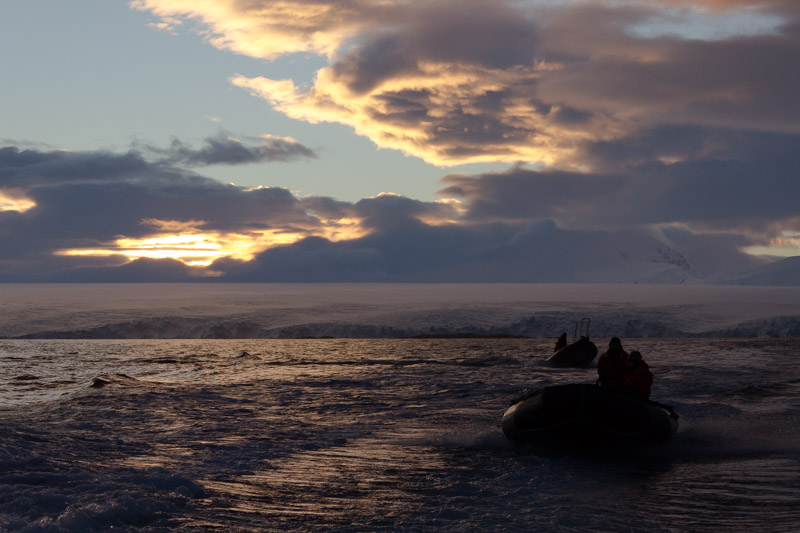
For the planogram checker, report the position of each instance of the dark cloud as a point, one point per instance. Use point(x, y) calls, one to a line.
point(389, 212)
point(226, 150)
point(487, 35)
point(522, 194)
point(311, 260)
point(89, 199)
point(746, 82)
point(139, 270)
point(99, 193)
point(416, 252)
point(326, 207)
point(740, 181)
point(642, 221)
point(31, 168)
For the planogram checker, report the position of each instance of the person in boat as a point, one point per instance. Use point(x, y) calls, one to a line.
point(611, 366)
point(561, 342)
point(638, 378)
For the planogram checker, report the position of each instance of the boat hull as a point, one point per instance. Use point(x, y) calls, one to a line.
point(586, 415)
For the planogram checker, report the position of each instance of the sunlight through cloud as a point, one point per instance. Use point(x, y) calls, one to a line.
point(189, 243)
point(185, 241)
point(15, 200)
point(787, 244)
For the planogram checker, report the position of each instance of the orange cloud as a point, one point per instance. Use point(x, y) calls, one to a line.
point(494, 81)
point(270, 29)
point(445, 125)
point(436, 114)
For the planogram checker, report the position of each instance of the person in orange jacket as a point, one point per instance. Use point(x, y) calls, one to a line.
point(638, 378)
point(611, 366)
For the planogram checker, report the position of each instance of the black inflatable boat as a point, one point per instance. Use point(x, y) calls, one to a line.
point(579, 353)
point(587, 416)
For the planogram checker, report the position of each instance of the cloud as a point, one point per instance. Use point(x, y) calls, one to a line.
point(743, 182)
point(88, 207)
point(738, 83)
point(104, 183)
point(665, 141)
point(392, 212)
point(121, 217)
point(506, 81)
point(139, 270)
point(102, 216)
point(658, 138)
point(226, 150)
point(268, 30)
point(538, 252)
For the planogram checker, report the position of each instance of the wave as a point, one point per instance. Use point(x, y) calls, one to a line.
point(491, 360)
point(737, 437)
point(112, 379)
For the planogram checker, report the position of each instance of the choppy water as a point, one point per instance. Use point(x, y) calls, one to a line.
point(366, 435)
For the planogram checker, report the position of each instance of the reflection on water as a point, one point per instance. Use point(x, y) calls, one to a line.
point(380, 435)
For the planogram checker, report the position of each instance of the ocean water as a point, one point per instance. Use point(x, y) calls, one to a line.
point(381, 435)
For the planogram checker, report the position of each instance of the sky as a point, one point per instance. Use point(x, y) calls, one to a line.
point(397, 140)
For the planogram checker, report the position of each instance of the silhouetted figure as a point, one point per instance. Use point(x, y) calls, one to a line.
point(638, 378)
point(561, 342)
point(611, 366)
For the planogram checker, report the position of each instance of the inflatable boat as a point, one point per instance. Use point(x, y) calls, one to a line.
point(587, 416)
point(579, 353)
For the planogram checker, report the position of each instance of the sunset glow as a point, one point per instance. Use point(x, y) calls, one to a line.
point(608, 141)
point(197, 250)
point(193, 247)
point(14, 200)
point(451, 92)
point(215, 215)
point(787, 244)
point(196, 247)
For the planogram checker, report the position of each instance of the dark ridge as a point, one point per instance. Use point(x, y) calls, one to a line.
point(542, 326)
point(469, 336)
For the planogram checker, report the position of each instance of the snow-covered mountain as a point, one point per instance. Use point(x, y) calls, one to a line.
point(785, 272)
point(563, 256)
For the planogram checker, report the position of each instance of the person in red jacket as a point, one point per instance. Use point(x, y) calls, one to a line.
point(611, 366)
point(638, 378)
